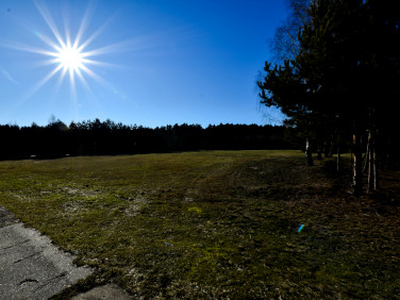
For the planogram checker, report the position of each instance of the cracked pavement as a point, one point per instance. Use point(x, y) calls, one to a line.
point(31, 267)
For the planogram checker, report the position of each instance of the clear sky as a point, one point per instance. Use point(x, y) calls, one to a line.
point(144, 62)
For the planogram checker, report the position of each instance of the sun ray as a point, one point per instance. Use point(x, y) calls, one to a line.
point(84, 83)
point(133, 44)
point(42, 82)
point(72, 85)
point(60, 79)
point(46, 39)
point(49, 20)
point(94, 75)
point(101, 63)
point(84, 24)
point(97, 78)
point(26, 48)
point(95, 34)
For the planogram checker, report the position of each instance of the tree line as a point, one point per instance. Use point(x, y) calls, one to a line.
point(336, 75)
point(109, 138)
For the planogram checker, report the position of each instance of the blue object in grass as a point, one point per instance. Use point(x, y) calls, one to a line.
point(300, 228)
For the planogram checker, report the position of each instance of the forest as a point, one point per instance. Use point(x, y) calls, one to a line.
point(109, 138)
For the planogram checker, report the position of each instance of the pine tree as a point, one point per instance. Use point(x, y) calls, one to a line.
point(345, 74)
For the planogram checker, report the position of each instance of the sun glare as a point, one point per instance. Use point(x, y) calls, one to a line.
point(70, 58)
point(69, 53)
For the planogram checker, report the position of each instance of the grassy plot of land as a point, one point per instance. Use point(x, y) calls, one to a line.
point(213, 224)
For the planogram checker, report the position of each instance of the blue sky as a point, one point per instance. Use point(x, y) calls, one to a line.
point(150, 62)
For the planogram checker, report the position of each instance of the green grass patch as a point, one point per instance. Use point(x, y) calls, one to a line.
point(212, 224)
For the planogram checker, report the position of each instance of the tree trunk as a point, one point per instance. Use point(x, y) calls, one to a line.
point(371, 154)
point(328, 149)
point(319, 156)
point(309, 154)
point(370, 157)
point(338, 158)
point(366, 164)
point(372, 168)
point(376, 177)
point(357, 162)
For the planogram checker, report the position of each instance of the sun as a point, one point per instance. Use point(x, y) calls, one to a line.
point(70, 58)
point(70, 53)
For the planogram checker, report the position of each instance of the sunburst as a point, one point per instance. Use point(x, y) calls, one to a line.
point(73, 57)
point(67, 55)
point(70, 58)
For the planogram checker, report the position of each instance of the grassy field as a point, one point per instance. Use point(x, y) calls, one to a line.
point(213, 224)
